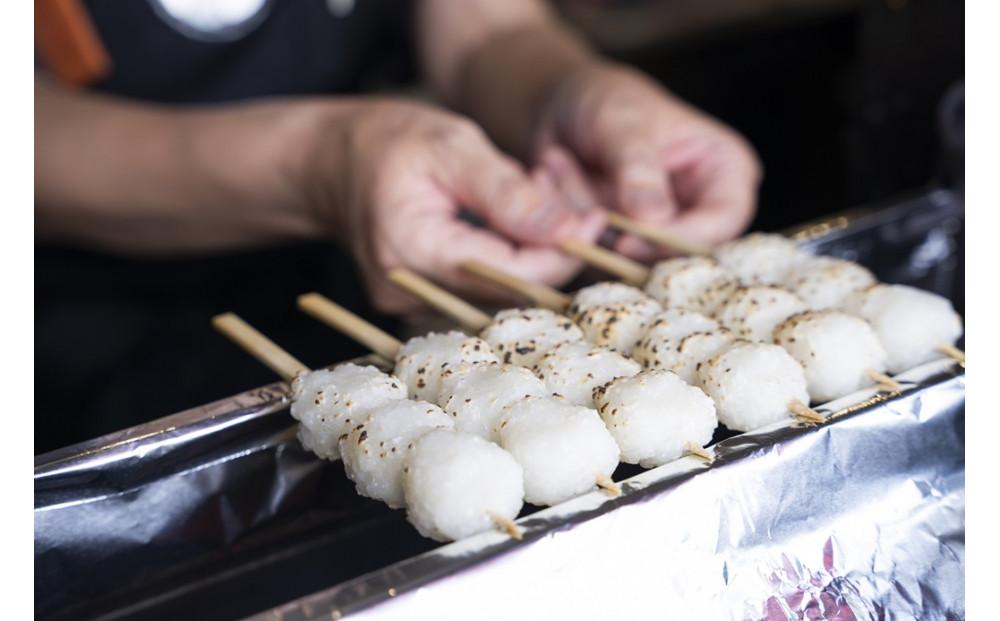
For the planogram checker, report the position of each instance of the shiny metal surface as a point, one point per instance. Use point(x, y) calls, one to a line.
point(218, 511)
point(861, 518)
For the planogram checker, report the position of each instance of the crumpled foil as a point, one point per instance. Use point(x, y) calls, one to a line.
point(218, 512)
point(861, 518)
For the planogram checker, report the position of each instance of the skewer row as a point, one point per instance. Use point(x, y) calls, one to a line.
point(697, 373)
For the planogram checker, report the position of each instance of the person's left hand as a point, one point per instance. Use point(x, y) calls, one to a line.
point(645, 153)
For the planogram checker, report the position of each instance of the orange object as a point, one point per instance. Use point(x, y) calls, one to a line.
point(68, 42)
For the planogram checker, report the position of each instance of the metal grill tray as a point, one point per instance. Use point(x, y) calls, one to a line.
point(218, 512)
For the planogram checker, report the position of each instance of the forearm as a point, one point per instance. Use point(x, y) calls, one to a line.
point(502, 64)
point(138, 178)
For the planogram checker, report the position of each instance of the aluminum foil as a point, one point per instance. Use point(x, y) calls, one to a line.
point(218, 512)
point(862, 518)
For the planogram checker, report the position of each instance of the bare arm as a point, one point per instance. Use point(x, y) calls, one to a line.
point(385, 178)
point(146, 179)
point(499, 62)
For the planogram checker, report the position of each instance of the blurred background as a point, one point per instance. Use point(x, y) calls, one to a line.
point(848, 102)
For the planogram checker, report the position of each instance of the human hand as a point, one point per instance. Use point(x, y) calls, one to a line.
point(395, 177)
point(645, 153)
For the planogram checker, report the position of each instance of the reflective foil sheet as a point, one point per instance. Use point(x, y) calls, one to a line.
point(862, 518)
point(218, 512)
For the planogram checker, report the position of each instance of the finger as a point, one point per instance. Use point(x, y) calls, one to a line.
point(637, 248)
point(449, 242)
point(497, 189)
point(721, 189)
point(568, 178)
point(642, 187)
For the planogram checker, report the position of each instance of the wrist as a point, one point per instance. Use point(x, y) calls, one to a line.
point(506, 82)
point(259, 160)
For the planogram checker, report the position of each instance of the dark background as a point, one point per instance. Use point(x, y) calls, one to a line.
point(843, 101)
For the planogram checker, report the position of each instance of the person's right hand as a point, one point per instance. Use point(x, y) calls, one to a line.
point(395, 176)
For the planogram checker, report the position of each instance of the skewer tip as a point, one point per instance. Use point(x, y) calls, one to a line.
point(952, 352)
point(883, 381)
point(607, 485)
point(507, 525)
point(805, 414)
point(696, 450)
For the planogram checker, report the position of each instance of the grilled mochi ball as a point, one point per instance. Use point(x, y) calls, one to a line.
point(522, 336)
point(421, 359)
point(835, 349)
point(653, 415)
point(683, 357)
point(667, 330)
point(752, 313)
point(574, 370)
point(752, 384)
point(910, 323)
point(474, 395)
point(826, 283)
point(618, 326)
point(760, 258)
point(602, 294)
point(693, 283)
point(455, 483)
point(563, 448)
point(327, 403)
point(373, 451)
point(674, 324)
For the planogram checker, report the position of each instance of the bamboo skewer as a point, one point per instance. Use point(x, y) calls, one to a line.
point(656, 235)
point(805, 414)
point(544, 296)
point(628, 270)
point(696, 450)
point(507, 526)
point(607, 485)
point(466, 314)
point(259, 346)
point(953, 352)
point(343, 320)
point(884, 382)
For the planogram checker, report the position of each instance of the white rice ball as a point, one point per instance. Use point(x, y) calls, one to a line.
point(522, 336)
point(911, 323)
point(760, 258)
point(618, 326)
point(826, 283)
point(474, 395)
point(666, 332)
point(752, 384)
point(683, 358)
point(753, 313)
point(373, 451)
point(563, 448)
point(421, 360)
point(693, 283)
point(454, 482)
point(574, 370)
point(653, 415)
point(602, 294)
point(835, 349)
point(674, 324)
point(327, 403)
